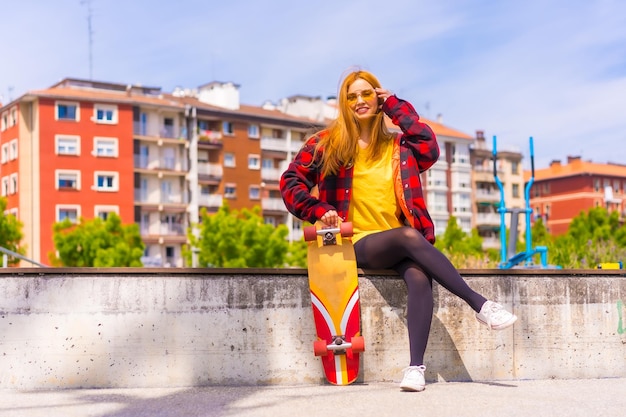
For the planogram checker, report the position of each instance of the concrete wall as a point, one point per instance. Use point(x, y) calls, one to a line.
point(63, 328)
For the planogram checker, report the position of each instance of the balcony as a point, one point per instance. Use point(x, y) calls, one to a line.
point(173, 229)
point(173, 199)
point(213, 201)
point(280, 145)
point(273, 204)
point(165, 163)
point(208, 170)
point(271, 174)
point(487, 196)
point(485, 219)
point(166, 132)
point(210, 136)
point(143, 196)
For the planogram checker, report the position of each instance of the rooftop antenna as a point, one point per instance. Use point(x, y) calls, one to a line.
point(90, 35)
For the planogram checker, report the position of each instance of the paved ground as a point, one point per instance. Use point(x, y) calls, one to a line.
point(571, 398)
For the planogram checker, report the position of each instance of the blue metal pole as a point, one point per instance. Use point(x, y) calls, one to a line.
point(529, 249)
point(501, 208)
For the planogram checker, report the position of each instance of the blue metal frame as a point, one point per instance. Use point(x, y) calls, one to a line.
point(509, 258)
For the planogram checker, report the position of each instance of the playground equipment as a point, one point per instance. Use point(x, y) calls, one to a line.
point(510, 259)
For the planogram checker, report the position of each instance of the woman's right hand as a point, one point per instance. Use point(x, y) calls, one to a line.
point(330, 218)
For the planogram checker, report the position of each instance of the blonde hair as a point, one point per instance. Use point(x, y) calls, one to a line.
point(340, 145)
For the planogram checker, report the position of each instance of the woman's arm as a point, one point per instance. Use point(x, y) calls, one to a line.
point(419, 136)
point(296, 183)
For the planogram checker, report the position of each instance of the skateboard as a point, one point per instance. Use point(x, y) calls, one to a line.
point(334, 286)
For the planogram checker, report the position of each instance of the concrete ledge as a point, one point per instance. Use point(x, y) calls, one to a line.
point(120, 328)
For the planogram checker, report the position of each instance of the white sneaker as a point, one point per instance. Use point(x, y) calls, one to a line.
point(494, 316)
point(413, 379)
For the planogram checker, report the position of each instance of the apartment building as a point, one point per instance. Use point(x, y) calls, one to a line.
point(87, 148)
point(562, 191)
point(487, 195)
point(448, 183)
point(241, 152)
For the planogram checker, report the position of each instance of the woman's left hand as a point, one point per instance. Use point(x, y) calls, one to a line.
point(383, 95)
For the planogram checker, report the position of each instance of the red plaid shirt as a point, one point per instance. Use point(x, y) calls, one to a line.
point(414, 151)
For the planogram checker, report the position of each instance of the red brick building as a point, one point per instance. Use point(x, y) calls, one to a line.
point(562, 191)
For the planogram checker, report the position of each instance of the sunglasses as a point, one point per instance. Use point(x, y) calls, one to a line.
point(365, 95)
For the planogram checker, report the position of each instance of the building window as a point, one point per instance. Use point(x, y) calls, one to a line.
point(70, 212)
point(254, 193)
point(13, 150)
point(514, 167)
point(254, 162)
point(13, 183)
point(104, 211)
point(253, 131)
point(229, 160)
point(106, 181)
point(4, 158)
point(5, 187)
point(516, 191)
point(105, 147)
point(105, 114)
point(13, 117)
point(227, 128)
point(230, 191)
point(67, 145)
point(67, 111)
point(67, 180)
point(4, 122)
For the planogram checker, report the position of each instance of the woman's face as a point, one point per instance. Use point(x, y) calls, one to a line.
point(362, 99)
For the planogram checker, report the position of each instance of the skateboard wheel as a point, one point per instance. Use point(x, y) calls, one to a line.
point(320, 348)
point(358, 344)
point(346, 229)
point(310, 233)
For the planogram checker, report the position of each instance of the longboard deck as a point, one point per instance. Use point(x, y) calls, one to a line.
point(334, 285)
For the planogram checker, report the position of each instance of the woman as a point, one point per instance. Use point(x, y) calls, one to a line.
point(369, 176)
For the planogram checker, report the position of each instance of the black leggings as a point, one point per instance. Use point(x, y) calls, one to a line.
point(417, 261)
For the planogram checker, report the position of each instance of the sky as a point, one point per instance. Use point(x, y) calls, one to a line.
point(553, 70)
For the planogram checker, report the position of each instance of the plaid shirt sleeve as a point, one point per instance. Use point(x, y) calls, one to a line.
point(302, 174)
point(418, 152)
point(419, 136)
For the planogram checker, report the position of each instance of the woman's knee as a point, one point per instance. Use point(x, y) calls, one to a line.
point(414, 237)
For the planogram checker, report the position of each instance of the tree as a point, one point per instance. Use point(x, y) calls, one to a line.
point(594, 236)
point(97, 243)
point(233, 239)
point(455, 239)
point(464, 250)
point(10, 232)
point(297, 254)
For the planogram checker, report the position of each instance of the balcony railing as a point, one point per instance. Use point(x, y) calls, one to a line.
point(212, 170)
point(273, 204)
point(484, 195)
point(172, 229)
point(169, 132)
point(270, 174)
point(211, 200)
point(173, 199)
point(277, 144)
point(210, 136)
point(165, 163)
point(487, 218)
